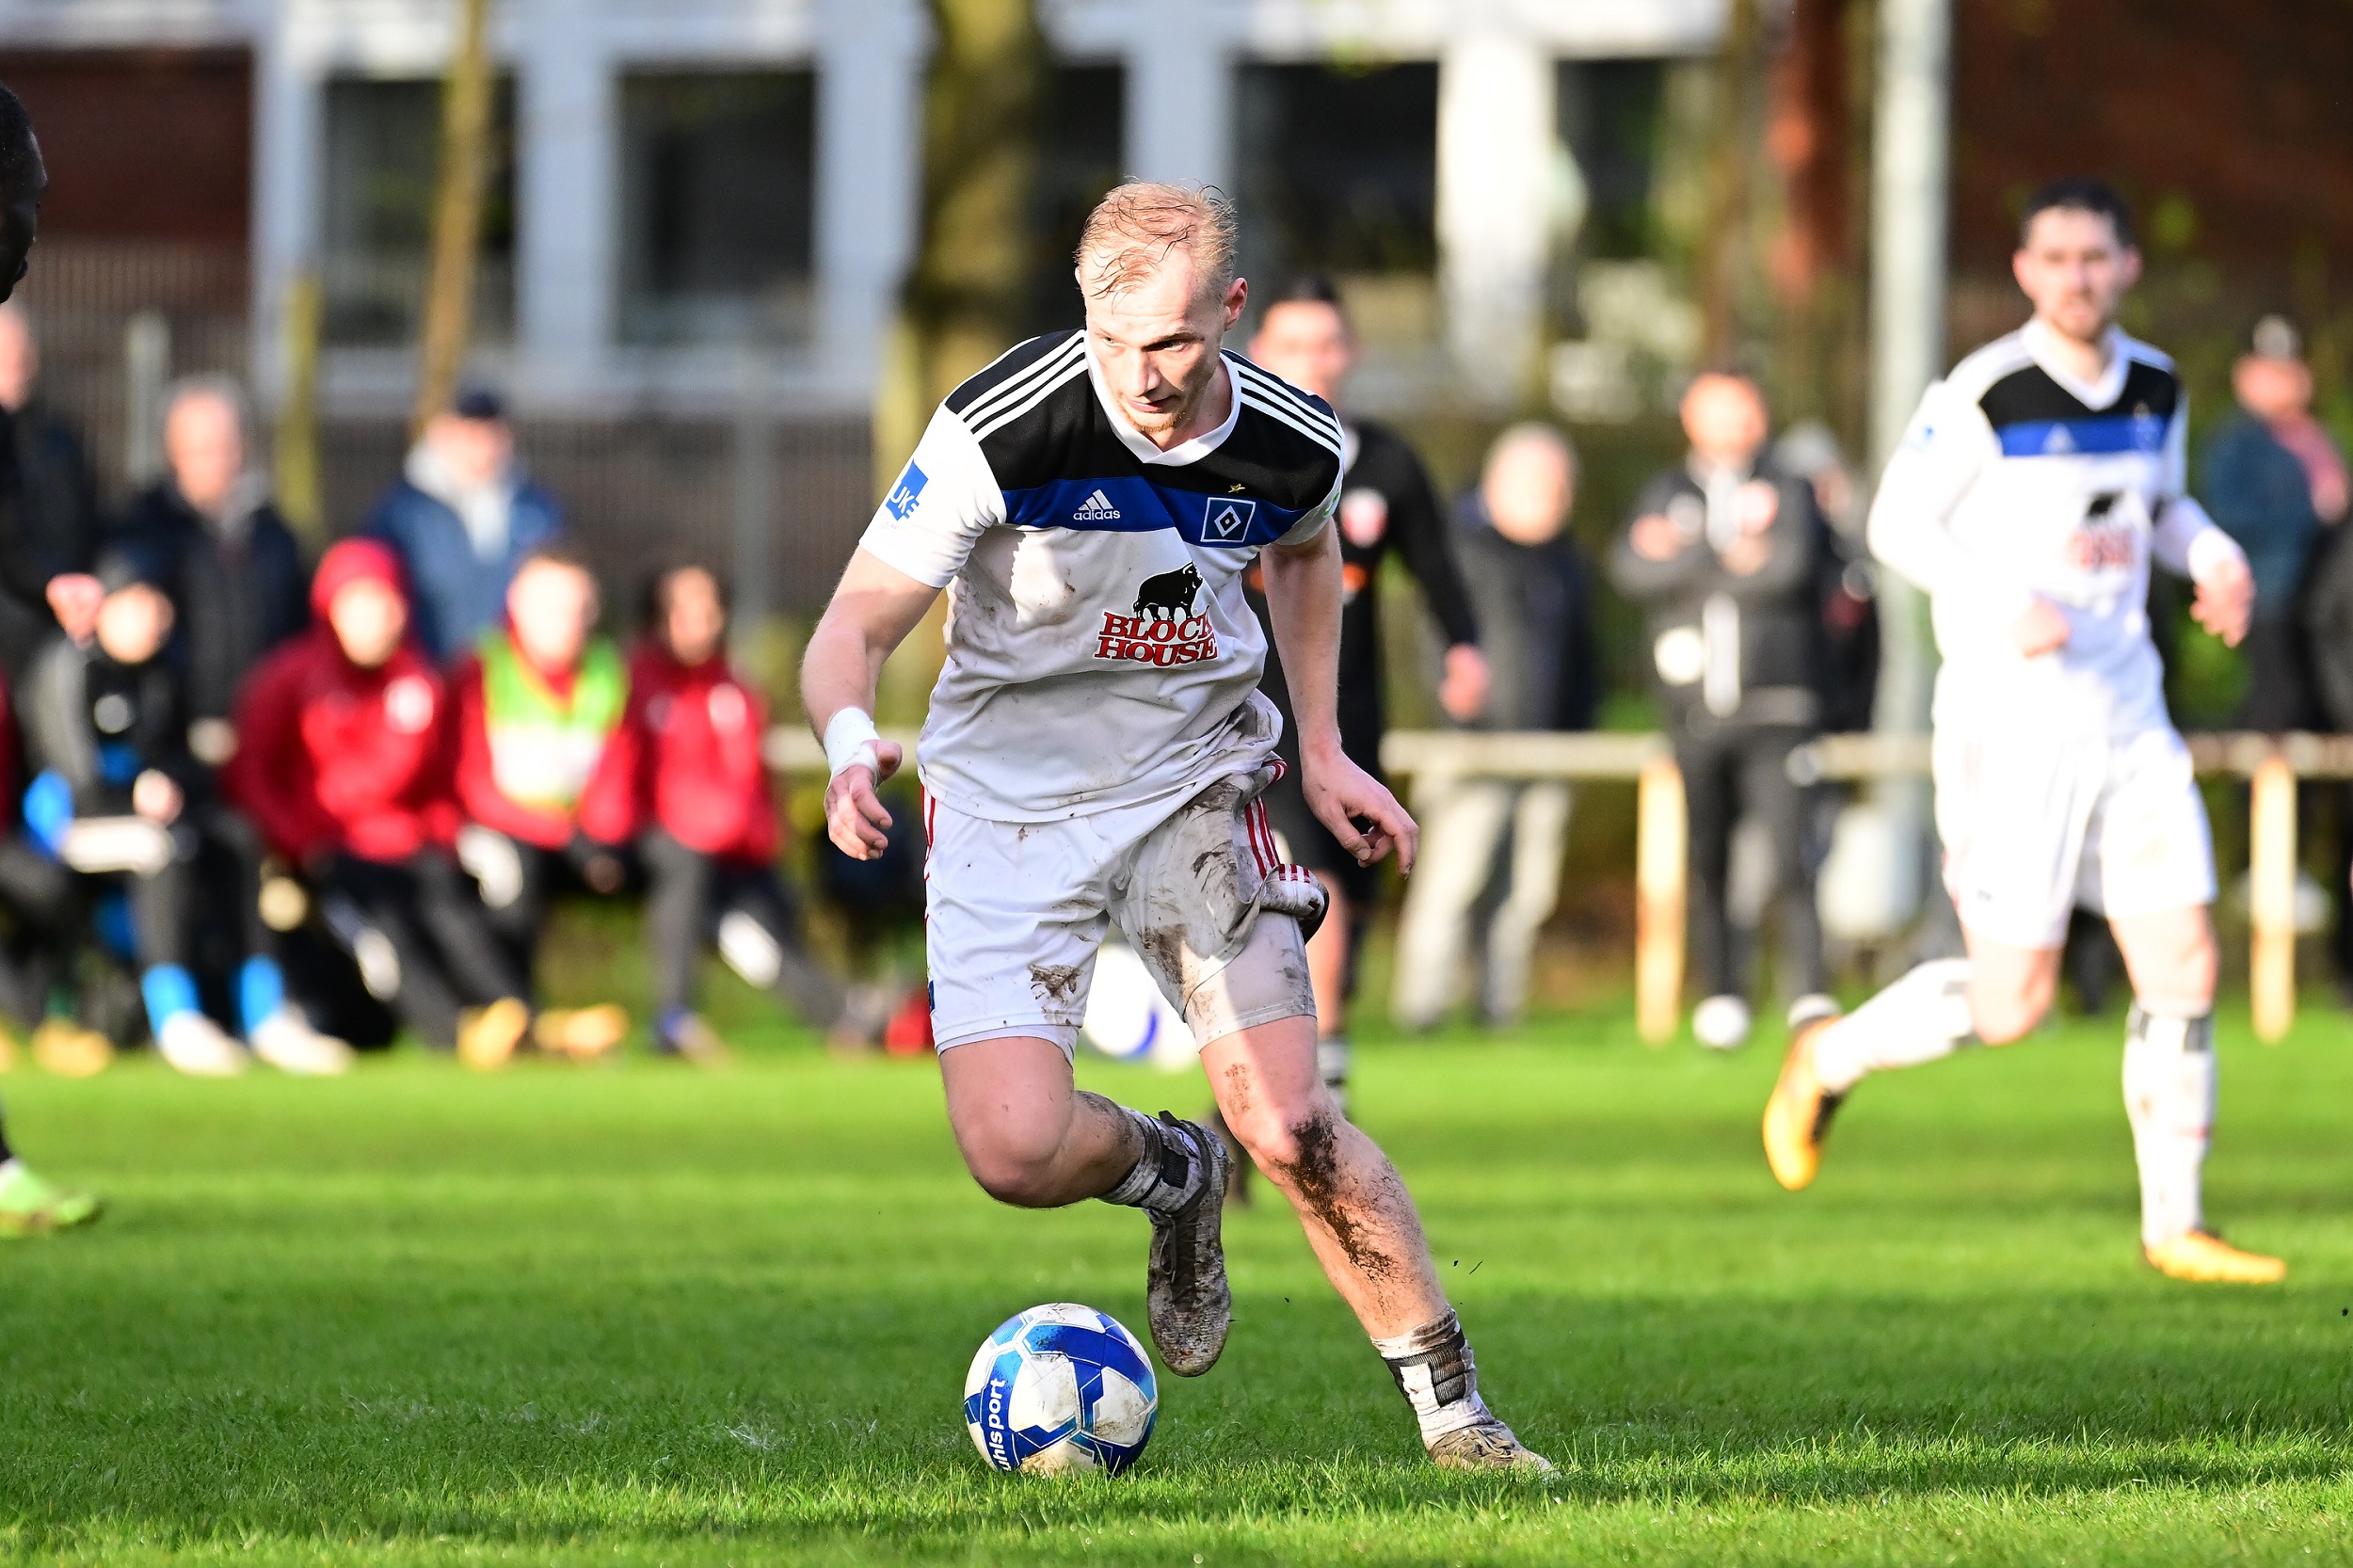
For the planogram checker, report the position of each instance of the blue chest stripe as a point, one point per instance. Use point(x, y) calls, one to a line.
point(2102, 435)
point(1130, 504)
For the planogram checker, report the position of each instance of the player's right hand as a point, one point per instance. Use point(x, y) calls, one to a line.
point(1654, 538)
point(2041, 628)
point(854, 818)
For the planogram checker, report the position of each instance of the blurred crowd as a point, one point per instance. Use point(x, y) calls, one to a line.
point(258, 806)
point(262, 808)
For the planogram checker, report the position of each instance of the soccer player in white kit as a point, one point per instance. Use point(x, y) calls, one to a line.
point(1094, 750)
point(2032, 491)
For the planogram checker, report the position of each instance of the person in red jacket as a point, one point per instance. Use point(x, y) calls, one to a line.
point(544, 790)
point(692, 744)
point(344, 760)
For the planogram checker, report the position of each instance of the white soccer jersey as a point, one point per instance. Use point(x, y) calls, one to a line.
point(1100, 652)
point(2015, 482)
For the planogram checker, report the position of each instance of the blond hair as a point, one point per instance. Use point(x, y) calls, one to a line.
point(1133, 229)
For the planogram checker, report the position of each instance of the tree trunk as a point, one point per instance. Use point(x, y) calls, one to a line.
point(962, 303)
point(300, 501)
point(448, 319)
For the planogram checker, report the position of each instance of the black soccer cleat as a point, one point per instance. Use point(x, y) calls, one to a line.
point(1187, 1301)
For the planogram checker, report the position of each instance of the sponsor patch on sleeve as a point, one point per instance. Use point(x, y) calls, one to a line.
point(905, 494)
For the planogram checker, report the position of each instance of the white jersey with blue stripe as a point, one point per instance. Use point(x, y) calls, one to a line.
point(2017, 481)
point(1100, 652)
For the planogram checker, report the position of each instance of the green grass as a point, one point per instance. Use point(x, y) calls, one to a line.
point(642, 1315)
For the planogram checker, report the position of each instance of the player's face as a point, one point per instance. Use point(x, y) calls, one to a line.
point(1156, 343)
point(368, 618)
point(551, 607)
point(19, 222)
point(2075, 271)
point(692, 619)
point(1307, 344)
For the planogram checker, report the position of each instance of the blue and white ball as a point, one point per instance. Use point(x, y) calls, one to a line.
point(1057, 1390)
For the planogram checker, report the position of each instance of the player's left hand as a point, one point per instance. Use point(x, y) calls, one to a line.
point(2226, 600)
point(1340, 793)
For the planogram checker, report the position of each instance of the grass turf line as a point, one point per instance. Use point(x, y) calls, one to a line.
point(645, 1315)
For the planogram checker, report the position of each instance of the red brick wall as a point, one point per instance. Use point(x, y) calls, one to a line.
point(149, 144)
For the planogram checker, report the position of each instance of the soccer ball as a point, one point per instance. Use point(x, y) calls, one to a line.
point(1061, 1388)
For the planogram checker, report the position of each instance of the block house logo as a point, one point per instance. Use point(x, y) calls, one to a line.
point(1160, 627)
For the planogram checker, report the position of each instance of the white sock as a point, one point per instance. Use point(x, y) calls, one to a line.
point(2169, 1097)
point(1922, 1016)
point(1434, 1369)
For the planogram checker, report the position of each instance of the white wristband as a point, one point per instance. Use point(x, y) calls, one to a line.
point(850, 740)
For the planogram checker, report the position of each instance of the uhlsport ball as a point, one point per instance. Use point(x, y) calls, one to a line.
point(1061, 1388)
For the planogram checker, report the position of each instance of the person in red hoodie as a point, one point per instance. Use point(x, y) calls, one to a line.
point(545, 790)
point(344, 760)
point(691, 742)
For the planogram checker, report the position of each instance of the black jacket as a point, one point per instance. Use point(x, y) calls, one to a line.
point(1727, 649)
point(99, 724)
point(1387, 502)
point(2326, 606)
point(1535, 612)
point(54, 518)
point(238, 583)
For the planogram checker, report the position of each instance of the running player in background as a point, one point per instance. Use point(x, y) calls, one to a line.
point(1387, 502)
point(2034, 486)
point(1095, 749)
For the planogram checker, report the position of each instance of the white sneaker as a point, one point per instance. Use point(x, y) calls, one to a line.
point(287, 1041)
point(1722, 1023)
point(195, 1045)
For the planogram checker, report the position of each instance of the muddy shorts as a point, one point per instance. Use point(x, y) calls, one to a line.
point(1017, 910)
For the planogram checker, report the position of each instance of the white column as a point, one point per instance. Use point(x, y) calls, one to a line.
point(1180, 96)
point(565, 184)
point(288, 128)
point(1496, 135)
point(869, 63)
point(1910, 190)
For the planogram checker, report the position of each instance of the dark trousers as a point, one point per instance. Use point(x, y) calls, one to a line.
point(688, 897)
point(48, 910)
point(1732, 771)
point(444, 955)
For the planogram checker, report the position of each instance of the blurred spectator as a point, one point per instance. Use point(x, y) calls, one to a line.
point(691, 743)
point(57, 499)
point(1529, 588)
point(2273, 480)
point(40, 899)
point(120, 799)
point(1723, 552)
point(545, 793)
point(1844, 576)
point(228, 561)
point(347, 740)
point(462, 520)
point(1387, 502)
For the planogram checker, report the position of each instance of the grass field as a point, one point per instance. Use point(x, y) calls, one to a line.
point(643, 1314)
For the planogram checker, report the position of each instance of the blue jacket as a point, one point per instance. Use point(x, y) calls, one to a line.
point(2259, 493)
point(456, 594)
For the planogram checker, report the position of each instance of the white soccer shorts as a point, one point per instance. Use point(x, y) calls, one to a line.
point(1017, 910)
point(2035, 826)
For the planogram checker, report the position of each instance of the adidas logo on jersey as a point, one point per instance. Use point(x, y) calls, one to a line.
point(1096, 509)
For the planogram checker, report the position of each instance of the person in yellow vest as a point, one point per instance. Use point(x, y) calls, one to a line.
point(546, 791)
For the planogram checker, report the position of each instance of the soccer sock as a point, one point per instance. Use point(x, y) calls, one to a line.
point(2169, 1097)
point(261, 991)
point(168, 991)
point(1169, 1171)
point(1434, 1369)
point(1922, 1016)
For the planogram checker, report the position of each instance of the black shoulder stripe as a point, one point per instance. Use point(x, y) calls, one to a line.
point(1314, 407)
point(1016, 365)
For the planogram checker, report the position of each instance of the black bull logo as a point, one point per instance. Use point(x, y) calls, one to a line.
point(1169, 596)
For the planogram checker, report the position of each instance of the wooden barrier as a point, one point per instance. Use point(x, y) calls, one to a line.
point(2271, 897)
point(2273, 765)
